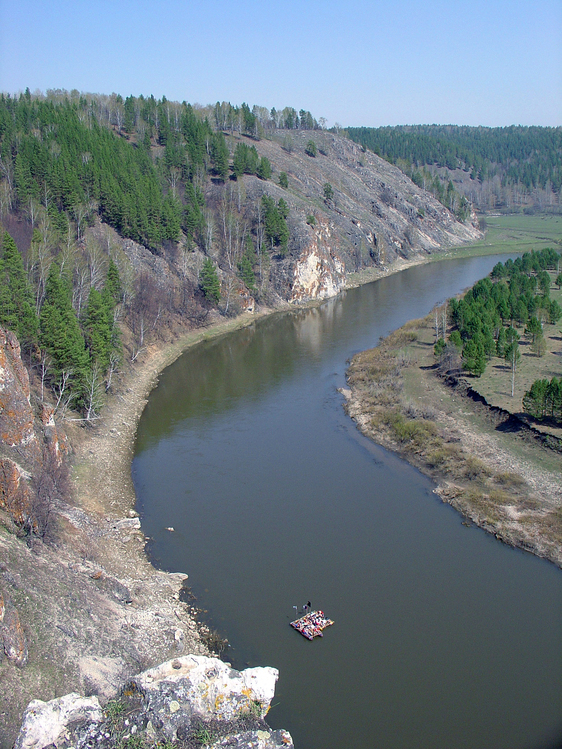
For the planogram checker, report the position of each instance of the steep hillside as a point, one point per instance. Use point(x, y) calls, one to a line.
point(349, 209)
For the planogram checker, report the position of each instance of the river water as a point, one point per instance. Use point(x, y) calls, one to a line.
point(443, 637)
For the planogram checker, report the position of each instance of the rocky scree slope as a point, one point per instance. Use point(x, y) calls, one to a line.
point(80, 606)
point(376, 215)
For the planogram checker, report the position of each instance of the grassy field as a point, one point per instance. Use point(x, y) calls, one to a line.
point(517, 233)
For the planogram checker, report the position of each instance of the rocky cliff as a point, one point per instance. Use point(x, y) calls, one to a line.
point(375, 216)
point(32, 448)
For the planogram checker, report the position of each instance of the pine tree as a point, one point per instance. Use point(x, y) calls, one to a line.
point(219, 155)
point(209, 280)
point(97, 329)
point(112, 286)
point(60, 334)
point(17, 309)
point(246, 267)
point(310, 149)
point(263, 170)
point(276, 229)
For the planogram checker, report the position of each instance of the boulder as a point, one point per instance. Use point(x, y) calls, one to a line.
point(183, 699)
point(46, 723)
point(206, 687)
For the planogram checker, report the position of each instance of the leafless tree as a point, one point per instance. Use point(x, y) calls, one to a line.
point(93, 393)
point(63, 391)
point(34, 210)
point(97, 264)
point(173, 178)
point(114, 361)
point(450, 359)
point(40, 258)
point(260, 240)
point(44, 365)
point(7, 172)
point(50, 486)
point(6, 198)
point(209, 231)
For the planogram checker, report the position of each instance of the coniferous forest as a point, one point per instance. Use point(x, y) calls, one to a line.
point(494, 168)
point(490, 319)
point(140, 166)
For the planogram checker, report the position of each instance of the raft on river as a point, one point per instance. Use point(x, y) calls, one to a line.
point(311, 625)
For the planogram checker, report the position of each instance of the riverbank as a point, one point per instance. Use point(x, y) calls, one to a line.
point(506, 483)
point(88, 608)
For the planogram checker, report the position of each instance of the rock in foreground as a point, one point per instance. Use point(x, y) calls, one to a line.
point(192, 700)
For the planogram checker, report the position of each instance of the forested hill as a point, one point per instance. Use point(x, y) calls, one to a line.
point(495, 168)
point(123, 219)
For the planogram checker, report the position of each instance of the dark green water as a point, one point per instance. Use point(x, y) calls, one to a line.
point(444, 637)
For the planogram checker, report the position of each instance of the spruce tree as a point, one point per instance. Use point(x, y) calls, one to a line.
point(263, 170)
point(219, 155)
point(98, 329)
point(60, 334)
point(17, 309)
point(209, 280)
point(246, 267)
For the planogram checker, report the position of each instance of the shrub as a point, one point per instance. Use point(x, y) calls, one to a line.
point(311, 149)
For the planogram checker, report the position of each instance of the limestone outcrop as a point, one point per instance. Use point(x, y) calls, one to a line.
point(53, 723)
point(185, 699)
point(207, 687)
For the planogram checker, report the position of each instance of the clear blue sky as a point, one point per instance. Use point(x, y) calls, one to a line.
point(385, 62)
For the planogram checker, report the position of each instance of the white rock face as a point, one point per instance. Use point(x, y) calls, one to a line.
point(209, 687)
point(46, 723)
point(319, 272)
point(317, 278)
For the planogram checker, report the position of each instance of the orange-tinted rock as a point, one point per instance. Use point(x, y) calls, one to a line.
point(30, 446)
point(16, 414)
point(15, 493)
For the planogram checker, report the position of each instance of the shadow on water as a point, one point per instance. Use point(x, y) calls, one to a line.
point(443, 636)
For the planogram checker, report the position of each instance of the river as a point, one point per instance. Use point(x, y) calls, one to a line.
point(443, 636)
